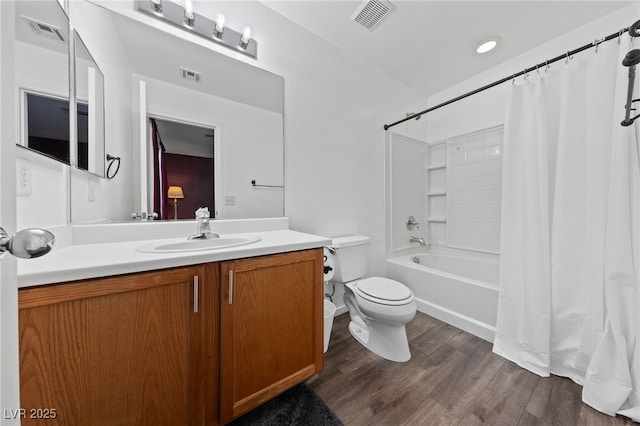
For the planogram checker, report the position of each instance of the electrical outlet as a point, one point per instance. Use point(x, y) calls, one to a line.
point(23, 177)
point(229, 200)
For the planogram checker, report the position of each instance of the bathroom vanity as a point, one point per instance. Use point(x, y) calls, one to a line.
point(195, 344)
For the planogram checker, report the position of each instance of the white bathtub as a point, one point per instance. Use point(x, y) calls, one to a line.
point(460, 290)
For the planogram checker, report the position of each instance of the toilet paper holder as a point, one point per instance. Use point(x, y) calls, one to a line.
point(327, 269)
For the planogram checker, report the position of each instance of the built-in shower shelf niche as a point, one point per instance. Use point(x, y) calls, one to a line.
point(437, 193)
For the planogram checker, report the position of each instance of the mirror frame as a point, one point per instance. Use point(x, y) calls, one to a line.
point(99, 156)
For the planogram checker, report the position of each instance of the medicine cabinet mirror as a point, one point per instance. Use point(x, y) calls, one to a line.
point(41, 57)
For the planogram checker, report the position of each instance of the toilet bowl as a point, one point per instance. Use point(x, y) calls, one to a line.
point(379, 308)
point(379, 324)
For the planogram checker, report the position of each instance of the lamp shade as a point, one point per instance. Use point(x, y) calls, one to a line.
point(175, 192)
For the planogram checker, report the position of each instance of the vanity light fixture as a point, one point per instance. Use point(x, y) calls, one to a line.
point(487, 45)
point(183, 15)
point(218, 28)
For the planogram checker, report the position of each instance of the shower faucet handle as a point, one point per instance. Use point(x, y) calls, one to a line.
point(412, 223)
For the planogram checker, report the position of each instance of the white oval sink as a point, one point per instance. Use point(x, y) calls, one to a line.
point(182, 245)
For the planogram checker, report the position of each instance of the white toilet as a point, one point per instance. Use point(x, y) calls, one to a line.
point(379, 307)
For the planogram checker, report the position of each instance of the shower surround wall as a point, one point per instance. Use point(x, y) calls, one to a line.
point(408, 158)
point(452, 188)
point(473, 191)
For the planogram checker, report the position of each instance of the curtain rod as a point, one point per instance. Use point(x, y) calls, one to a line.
point(544, 64)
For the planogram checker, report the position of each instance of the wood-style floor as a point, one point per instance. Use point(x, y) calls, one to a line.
point(453, 378)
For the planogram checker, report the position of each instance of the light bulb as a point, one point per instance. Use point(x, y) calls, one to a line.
point(246, 36)
point(189, 17)
point(487, 45)
point(218, 29)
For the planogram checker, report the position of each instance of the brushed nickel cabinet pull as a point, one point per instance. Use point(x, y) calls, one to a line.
point(195, 294)
point(230, 287)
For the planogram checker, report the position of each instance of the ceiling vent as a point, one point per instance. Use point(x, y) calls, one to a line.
point(190, 75)
point(44, 30)
point(370, 13)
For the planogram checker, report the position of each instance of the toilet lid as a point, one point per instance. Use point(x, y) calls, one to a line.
point(383, 288)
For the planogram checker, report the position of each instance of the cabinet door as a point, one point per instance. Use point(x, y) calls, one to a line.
point(128, 350)
point(271, 327)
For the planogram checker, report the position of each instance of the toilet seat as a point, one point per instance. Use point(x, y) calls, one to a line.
point(383, 291)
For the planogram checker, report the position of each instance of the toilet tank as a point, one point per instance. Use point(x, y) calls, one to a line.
point(351, 257)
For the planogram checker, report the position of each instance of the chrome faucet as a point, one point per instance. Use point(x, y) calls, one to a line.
point(420, 240)
point(144, 216)
point(203, 231)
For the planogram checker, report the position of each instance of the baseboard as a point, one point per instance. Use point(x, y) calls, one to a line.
point(463, 322)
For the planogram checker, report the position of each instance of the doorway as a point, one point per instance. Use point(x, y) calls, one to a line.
point(183, 156)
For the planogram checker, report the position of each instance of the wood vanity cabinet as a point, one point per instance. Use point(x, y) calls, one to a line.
point(137, 349)
point(271, 327)
point(170, 347)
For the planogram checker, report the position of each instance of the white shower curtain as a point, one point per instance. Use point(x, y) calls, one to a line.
point(569, 296)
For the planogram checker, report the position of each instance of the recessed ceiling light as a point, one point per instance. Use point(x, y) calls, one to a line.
point(487, 44)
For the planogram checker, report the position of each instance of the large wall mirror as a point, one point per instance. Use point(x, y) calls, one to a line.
point(41, 91)
point(179, 115)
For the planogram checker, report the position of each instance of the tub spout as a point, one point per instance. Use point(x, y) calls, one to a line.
point(418, 240)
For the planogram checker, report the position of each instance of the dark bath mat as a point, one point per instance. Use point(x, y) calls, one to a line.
point(299, 406)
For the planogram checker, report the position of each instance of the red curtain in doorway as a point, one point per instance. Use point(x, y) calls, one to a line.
point(160, 186)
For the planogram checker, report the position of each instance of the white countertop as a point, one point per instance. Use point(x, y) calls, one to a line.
point(83, 261)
